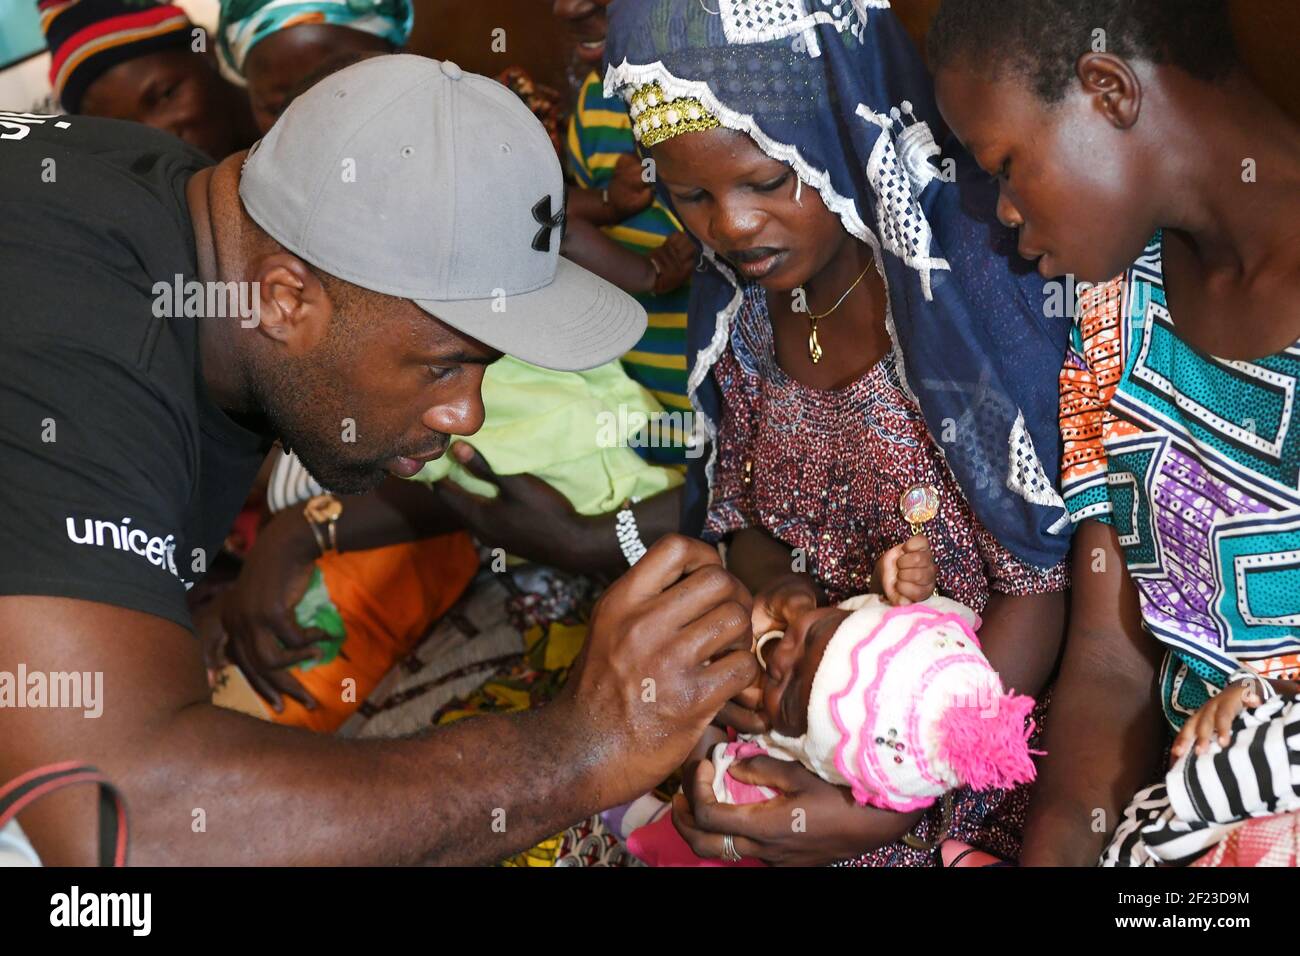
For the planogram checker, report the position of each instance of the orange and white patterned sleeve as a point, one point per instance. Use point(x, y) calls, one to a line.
point(1093, 367)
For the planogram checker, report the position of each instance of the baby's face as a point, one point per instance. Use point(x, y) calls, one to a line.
point(791, 663)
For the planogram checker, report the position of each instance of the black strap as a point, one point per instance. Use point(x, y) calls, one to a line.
point(31, 786)
point(945, 824)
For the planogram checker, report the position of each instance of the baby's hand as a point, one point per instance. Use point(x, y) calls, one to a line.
point(905, 574)
point(629, 193)
point(1215, 717)
point(673, 263)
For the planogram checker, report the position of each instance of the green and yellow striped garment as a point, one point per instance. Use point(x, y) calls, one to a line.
point(599, 132)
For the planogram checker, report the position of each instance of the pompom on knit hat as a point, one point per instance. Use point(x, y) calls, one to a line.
point(88, 37)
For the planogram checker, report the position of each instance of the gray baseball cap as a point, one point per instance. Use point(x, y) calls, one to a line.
point(413, 178)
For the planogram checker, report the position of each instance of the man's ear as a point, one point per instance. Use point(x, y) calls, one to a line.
point(295, 309)
point(1114, 87)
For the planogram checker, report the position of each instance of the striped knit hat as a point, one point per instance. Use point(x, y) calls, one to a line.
point(905, 707)
point(87, 37)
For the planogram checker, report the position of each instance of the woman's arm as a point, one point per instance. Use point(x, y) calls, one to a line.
point(589, 205)
point(532, 520)
point(757, 558)
point(256, 615)
point(1104, 731)
point(1022, 635)
point(593, 547)
point(667, 267)
point(626, 194)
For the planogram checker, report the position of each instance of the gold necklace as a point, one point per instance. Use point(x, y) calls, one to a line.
point(814, 346)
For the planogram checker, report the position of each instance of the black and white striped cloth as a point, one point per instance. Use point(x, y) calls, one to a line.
point(290, 484)
point(1204, 797)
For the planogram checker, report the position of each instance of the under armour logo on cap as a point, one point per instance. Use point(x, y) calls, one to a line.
point(542, 213)
point(450, 233)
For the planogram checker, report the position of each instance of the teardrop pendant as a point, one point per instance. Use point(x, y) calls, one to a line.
point(814, 346)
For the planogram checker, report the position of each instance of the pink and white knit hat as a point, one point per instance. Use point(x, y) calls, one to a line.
point(905, 707)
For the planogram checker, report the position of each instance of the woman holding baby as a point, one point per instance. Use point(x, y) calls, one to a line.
point(881, 386)
point(874, 375)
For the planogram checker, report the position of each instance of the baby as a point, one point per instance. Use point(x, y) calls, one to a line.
point(896, 702)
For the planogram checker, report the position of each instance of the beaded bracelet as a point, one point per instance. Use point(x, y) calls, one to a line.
point(629, 536)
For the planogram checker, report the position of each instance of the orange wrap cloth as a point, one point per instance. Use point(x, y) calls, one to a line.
point(388, 599)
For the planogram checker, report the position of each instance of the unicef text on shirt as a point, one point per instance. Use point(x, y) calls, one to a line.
point(158, 551)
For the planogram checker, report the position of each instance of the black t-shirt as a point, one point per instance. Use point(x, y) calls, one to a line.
point(119, 477)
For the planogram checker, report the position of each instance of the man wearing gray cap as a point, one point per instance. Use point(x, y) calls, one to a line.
point(341, 288)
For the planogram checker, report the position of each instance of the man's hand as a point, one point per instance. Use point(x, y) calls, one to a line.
point(258, 611)
point(470, 793)
point(629, 193)
point(667, 647)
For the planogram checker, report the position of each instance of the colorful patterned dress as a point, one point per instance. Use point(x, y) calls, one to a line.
point(823, 471)
point(1193, 460)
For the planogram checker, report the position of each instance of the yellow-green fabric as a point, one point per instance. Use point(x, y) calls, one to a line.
point(567, 428)
point(600, 133)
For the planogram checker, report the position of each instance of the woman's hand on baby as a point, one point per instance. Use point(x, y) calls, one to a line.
point(809, 823)
point(1215, 717)
point(906, 574)
point(702, 750)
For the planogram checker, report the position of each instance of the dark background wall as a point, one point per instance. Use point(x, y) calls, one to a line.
point(461, 30)
point(1268, 32)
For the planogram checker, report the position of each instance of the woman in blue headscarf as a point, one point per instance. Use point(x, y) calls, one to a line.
point(278, 48)
point(862, 336)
